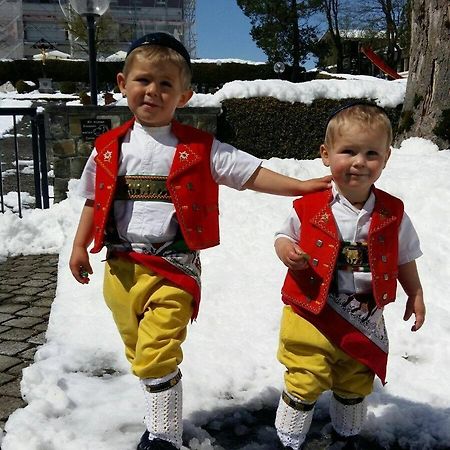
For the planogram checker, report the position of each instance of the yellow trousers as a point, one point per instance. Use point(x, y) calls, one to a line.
point(151, 315)
point(314, 364)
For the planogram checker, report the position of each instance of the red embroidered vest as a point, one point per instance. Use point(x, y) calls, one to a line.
point(319, 238)
point(190, 184)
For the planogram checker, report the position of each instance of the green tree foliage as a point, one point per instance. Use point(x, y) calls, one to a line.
point(281, 29)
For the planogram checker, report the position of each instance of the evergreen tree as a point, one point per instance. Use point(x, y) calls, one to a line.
point(281, 29)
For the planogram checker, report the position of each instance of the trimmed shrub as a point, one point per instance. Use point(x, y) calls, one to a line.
point(206, 75)
point(68, 87)
point(22, 87)
point(267, 127)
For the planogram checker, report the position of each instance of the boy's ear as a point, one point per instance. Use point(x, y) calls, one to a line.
point(185, 97)
point(121, 83)
point(388, 154)
point(324, 155)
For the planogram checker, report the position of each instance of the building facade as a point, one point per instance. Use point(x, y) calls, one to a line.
point(25, 22)
point(11, 29)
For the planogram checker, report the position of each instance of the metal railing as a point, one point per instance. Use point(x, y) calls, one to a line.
point(41, 191)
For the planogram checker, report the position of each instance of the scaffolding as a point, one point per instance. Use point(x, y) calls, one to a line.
point(11, 29)
point(176, 17)
point(189, 34)
point(133, 18)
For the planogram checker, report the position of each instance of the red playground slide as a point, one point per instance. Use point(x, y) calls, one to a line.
point(379, 62)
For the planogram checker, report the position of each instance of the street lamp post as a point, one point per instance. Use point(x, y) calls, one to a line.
point(90, 19)
point(91, 9)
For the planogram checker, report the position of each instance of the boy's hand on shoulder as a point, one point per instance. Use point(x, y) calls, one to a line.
point(270, 182)
point(291, 255)
point(315, 184)
point(79, 264)
point(415, 305)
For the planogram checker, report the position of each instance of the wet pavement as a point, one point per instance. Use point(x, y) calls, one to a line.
point(27, 290)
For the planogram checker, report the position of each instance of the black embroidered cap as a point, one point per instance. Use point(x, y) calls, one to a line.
point(351, 104)
point(164, 40)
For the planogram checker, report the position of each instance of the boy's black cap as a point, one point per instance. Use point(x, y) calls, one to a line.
point(164, 40)
point(350, 104)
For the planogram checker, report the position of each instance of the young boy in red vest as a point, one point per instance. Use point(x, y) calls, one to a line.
point(344, 248)
point(152, 198)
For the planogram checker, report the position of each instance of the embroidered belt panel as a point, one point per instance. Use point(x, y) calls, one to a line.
point(142, 187)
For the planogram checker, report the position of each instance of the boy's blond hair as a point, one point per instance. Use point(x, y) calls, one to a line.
point(366, 115)
point(156, 54)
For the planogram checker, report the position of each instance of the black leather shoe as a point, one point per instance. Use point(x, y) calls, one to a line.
point(339, 442)
point(282, 447)
point(154, 444)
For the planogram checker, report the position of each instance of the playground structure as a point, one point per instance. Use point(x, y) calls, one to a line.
point(379, 62)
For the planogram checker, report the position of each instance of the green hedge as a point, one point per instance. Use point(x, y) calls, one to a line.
point(211, 75)
point(263, 126)
point(267, 127)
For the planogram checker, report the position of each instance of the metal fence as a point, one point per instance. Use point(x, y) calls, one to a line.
point(39, 155)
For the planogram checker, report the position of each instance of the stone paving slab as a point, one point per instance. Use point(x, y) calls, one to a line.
point(27, 289)
point(22, 322)
point(11, 308)
point(9, 405)
point(18, 334)
point(6, 362)
point(5, 378)
point(12, 348)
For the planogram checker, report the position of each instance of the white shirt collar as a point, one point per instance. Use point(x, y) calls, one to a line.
point(337, 197)
point(152, 131)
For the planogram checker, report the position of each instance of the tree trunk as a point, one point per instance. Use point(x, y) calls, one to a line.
point(426, 108)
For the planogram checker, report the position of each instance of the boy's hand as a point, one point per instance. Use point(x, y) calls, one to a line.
point(315, 184)
point(409, 279)
point(415, 305)
point(79, 264)
point(291, 255)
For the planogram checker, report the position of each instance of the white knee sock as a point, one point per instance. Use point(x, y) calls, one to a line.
point(347, 415)
point(293, 420)
point(164, 402)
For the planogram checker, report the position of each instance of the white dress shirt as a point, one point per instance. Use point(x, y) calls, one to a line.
point(150, 151)
point(353, 226)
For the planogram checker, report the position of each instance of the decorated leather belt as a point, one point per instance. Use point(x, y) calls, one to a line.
point(142, 187)
point(353, 257)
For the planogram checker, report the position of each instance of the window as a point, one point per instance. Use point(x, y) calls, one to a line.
point(51, 32)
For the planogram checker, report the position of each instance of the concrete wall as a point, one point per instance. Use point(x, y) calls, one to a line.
point(70, 134)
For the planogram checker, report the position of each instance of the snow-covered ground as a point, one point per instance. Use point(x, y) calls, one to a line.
point(79, 391)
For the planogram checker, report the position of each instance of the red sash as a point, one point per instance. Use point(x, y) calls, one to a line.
point(163, 268)
point(350, 340)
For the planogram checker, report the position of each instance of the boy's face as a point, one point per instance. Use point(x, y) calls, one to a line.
point(356, 158)
point(154, 90)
